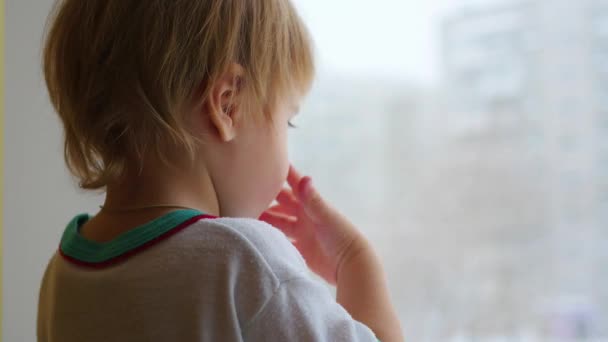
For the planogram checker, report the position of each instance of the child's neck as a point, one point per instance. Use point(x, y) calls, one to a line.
point(179, 187)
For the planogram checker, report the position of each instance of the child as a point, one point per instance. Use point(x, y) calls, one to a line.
point(179, 111)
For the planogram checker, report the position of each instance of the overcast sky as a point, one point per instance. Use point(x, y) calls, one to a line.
point(398, 38)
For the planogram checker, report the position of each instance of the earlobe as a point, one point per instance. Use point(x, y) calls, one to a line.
point(224, 103)
point(224, 125)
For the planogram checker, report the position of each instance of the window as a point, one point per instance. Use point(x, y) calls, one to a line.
point(473, 221)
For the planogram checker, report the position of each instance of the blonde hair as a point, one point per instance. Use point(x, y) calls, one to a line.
point(121, 72)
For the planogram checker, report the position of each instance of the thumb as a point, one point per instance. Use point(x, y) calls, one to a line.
point(314, 205)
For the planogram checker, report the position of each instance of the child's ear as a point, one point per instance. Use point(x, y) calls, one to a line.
point(223, 102)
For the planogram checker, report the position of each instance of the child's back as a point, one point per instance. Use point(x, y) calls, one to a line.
point(179, 111)
point(217, 279)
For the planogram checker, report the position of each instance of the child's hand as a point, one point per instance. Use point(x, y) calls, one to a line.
point(325, 238)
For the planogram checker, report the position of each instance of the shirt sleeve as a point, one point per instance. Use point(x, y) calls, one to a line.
point(302, 309)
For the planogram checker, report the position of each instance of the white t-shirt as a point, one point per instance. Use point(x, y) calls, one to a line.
point(188, 277)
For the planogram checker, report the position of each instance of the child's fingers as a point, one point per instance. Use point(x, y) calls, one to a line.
point(282, 222)
point(293, 179)
point(283, 209)
point(313, 203)
point(287, 198)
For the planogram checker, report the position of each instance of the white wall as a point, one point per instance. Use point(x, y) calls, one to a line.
point(39, 195)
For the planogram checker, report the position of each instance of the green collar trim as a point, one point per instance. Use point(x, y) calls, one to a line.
point(78, 249)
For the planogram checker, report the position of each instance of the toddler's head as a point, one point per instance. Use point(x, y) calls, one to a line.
point(145, 86)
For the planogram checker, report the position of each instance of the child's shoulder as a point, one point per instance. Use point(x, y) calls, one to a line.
point(245, 240)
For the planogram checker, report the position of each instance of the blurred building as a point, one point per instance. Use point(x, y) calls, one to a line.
point(484, 196)
point(539, 67)
point(537, 71)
